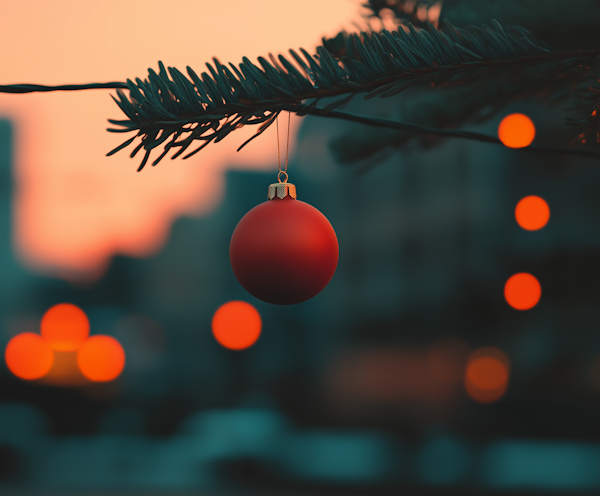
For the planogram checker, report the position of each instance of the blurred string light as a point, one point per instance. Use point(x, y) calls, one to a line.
point(28, 356)
point(101, 358)
point(236, 325)
point(486, 375)
point(532, 213)
point(65, 332)
point(65, 327)
point(522, 291)
point(516, 131)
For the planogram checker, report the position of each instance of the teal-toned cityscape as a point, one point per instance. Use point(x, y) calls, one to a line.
point(366, 386)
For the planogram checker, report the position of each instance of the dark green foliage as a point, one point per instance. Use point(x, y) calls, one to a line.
point(172, 109)
point(585, 123)
point(376, 140)
point(559, 23)
point(560, 26)
point(451, 107)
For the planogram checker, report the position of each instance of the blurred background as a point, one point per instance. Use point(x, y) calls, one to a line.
point(455, 350)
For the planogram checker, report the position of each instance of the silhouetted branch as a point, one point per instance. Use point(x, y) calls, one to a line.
point(171, 108)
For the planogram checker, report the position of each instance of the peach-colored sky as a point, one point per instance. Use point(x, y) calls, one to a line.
point(73, 206)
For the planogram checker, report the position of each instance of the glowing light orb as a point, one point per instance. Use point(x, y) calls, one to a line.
point(532, 213)
point(516, 131)
point(522, 291)
point(65, 327)
point(236, 325)
point(487, 373)
point(28, 356)
point(101, 358)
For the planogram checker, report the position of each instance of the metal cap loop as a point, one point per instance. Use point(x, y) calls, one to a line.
point(281, 190)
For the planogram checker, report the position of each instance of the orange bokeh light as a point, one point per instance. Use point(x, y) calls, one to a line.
point(28, 356)
point(236, 325)
point(516, 131)
point(522, 291)
point(532, 213)
point(486, 375)
point(65, 327)
point(101, 358)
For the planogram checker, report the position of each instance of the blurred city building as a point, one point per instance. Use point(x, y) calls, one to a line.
point(363, 386)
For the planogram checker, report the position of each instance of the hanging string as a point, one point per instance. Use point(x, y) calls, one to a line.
point(287, 150)
point(278, 148)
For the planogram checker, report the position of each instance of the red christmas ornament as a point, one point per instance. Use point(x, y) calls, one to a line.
point(283, 251)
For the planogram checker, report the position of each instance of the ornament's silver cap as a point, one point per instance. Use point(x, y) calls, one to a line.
point(281, 190)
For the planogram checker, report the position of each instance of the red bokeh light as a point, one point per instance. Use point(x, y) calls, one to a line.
point(101, 358)
point(486, 375)
point(28, 356)
point(532, 213)
point(516, 131)
point(236, 325)
point(522, 291)
point(65, 327)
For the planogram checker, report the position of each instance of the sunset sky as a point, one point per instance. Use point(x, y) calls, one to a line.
point(73, 206)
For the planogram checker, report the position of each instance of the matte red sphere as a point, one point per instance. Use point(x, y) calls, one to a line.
point(284, 251)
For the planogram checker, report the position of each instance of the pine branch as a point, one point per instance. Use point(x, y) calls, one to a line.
point(173, 109)
point(449, 108)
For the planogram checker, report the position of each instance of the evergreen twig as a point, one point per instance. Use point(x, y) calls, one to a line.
point(173, 109)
